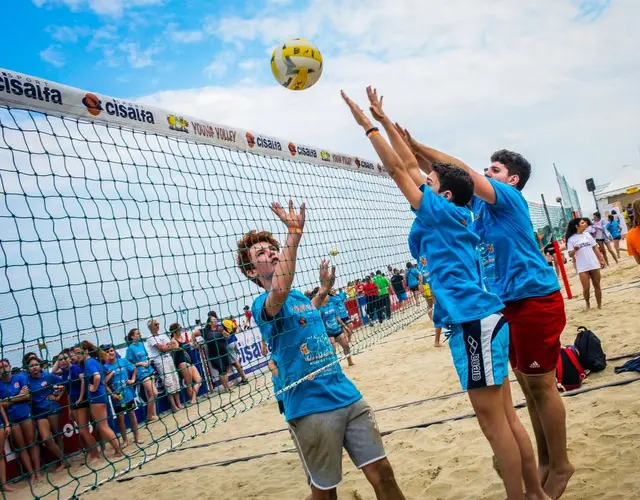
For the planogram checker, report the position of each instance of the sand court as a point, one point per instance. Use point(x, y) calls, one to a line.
point(410, 383)
point(448, 460)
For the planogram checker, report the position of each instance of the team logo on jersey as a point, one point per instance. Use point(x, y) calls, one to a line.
point(303, 321)
point(423, 260)
point(16, 385)
point(43, 383)
point(304, 349)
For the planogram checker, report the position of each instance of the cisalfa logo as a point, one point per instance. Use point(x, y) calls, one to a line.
point(92, 103)
point(292, 149)
point(251, 141)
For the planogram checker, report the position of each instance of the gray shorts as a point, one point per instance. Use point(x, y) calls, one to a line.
point(234, 352)
point(320, 437)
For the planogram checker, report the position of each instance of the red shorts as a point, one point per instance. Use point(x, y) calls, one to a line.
point(535, 327)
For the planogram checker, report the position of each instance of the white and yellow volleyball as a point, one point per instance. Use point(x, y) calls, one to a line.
point(296, 64)
point(333, 252)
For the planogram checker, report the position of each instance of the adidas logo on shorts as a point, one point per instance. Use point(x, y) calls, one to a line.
point(534, 365)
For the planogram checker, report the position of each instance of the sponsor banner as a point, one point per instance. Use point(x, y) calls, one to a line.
point(22, 91)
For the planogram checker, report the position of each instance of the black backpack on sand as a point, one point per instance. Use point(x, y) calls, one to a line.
point(592, 357)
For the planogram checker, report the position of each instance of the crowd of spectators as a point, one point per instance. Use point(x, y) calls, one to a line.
point(97, 381)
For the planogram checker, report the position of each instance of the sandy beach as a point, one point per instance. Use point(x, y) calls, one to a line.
point(449, 460)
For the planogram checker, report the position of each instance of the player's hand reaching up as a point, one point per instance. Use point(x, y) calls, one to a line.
point(375, 104)
point(407, 138)
point(294, 221)
point(327, 277)
point(356, 111)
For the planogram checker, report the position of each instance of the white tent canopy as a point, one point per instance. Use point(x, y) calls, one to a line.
point(627, 177)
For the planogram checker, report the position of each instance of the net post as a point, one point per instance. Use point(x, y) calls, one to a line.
point(563, 271)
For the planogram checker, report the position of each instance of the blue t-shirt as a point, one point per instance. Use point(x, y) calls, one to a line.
point(136, 353)
point(72, 382)
point(298, 339)
point(330, 319)
point(441, 234)
point(122, 371)
point(16, 411)
point(40, 389)
point(338, 300)
point(413, 277)
point(614, 229)
point(92, 367)
point(513, 265)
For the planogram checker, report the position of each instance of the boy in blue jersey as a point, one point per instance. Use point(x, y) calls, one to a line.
point(479, 334)
point(516, 270)
point(323, 408)
point(335, 327)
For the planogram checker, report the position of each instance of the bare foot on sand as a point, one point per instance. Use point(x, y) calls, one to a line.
point(557, 481)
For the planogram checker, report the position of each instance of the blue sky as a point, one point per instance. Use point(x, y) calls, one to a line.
point(124, 47)
point(532, 63)
point(551, 79)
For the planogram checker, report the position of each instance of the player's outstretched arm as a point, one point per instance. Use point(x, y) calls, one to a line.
point(285, 269)
point(397, 141)
point(327, 280)
point(390, 159)
point(427, 156)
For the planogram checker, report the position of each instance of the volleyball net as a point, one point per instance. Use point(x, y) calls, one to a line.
point(117, 216)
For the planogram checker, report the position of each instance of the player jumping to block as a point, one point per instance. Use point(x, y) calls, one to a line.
point(479, 334)
point(519, 274)
point(323, 408)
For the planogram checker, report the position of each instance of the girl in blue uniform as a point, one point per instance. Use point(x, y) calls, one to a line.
point(15, 397)
point(137, 354)
point(73, 379)
point(335, 328)
point(97, 394)
point(120, 380)
point(5, 432)
point(46, 389)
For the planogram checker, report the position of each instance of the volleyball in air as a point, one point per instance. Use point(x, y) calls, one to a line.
point(296, 64)
point(333, 252)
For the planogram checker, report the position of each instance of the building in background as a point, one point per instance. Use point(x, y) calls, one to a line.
point(622, 190)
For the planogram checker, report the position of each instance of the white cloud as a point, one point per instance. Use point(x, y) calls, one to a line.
point(136, 57)
point(219, 65)
point(555, 81)
point(70, 34)
point(101, 7)
point(53, 56)
point(186, 36)
point(252, 64)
